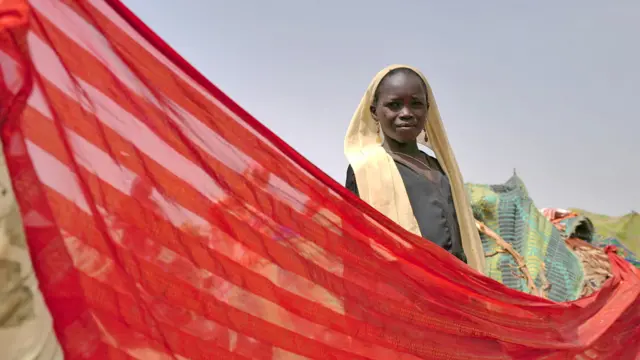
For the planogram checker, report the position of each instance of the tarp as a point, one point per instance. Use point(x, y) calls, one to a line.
point(165, 222)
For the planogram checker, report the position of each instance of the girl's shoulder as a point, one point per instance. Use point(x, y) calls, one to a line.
point(434, 162)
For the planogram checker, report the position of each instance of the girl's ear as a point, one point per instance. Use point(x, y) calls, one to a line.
point(374, 115)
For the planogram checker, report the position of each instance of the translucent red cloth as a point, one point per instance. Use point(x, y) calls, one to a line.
point(165, 222)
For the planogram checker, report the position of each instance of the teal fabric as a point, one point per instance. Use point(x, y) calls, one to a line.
point(508, 210)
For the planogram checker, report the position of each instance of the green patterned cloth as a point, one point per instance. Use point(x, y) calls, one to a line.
point(508, 210)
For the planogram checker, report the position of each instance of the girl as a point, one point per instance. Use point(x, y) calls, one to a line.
point(387, 169)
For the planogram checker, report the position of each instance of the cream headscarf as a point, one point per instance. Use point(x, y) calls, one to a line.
point(380, 184)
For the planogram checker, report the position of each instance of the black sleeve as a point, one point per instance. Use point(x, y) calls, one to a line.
point(351, 183)
point(458, 252)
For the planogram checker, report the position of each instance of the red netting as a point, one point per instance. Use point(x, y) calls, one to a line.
point(166, 222)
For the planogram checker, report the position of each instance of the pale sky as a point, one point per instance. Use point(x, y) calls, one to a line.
point(548, 87)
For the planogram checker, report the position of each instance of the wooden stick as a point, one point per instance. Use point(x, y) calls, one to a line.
point(522, 266)
point(546, 285)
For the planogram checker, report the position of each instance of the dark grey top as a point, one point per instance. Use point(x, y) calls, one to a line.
point(432, 205)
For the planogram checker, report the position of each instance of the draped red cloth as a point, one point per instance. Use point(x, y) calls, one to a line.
point(165, 222)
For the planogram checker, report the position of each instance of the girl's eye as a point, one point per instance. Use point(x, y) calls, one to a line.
point(394, 105)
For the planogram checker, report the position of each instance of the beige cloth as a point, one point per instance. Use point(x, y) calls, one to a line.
point(380, 184)
point(26, 327)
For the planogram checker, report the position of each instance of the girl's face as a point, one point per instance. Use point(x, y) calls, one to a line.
point(401, 107)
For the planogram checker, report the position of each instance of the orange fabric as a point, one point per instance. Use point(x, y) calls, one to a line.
point(556, 216)
point(165, 222)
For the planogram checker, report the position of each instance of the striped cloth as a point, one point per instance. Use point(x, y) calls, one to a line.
point(164, 222)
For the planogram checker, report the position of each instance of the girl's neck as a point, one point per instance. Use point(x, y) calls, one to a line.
point(410, 149)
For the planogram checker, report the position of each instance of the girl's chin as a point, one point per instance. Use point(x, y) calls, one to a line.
point(406, 137)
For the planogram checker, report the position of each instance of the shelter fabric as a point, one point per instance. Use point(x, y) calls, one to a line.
point(164, 222)
point(509, 211)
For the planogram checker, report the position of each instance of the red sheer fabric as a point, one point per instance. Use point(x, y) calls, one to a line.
point(165, 222)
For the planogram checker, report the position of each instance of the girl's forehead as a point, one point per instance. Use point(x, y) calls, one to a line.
point(401, 83)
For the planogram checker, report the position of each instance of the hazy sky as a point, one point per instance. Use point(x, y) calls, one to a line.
point(548, 87)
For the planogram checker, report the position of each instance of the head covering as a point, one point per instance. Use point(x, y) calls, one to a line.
point(378, 178)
